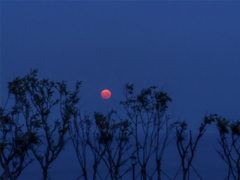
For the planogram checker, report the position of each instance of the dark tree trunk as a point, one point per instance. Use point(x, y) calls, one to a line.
point(45, 173)
point(111, 174)
point(184, 175)
point(238, 176)
point(85, 173)
point(94, 172)
point(144, 175)
point(115, 174)
point(159, 169)
point(6, 172)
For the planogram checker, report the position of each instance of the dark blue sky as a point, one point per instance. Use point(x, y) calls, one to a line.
point(190, 49)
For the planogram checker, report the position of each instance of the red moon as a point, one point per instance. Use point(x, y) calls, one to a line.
point(106, 94)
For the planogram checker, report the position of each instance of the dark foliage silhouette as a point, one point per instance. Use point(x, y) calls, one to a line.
point(230, 151)
point(35, 99)
point(147, 111)
point(27, 127)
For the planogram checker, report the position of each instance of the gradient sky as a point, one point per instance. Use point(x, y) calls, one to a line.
point(190, 49)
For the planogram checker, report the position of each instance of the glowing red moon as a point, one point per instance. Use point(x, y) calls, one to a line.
point(106, 94)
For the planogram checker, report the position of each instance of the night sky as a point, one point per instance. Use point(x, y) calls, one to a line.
point(189, 49)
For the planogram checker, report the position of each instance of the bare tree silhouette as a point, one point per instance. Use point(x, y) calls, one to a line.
point(146, 110)
point(36, 102)
point(79, 134)
point(110, 132)
point(187, 153)
point(230, 150)
point(15, 142)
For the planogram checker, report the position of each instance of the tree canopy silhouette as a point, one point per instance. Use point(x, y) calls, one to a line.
point(34, 99)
